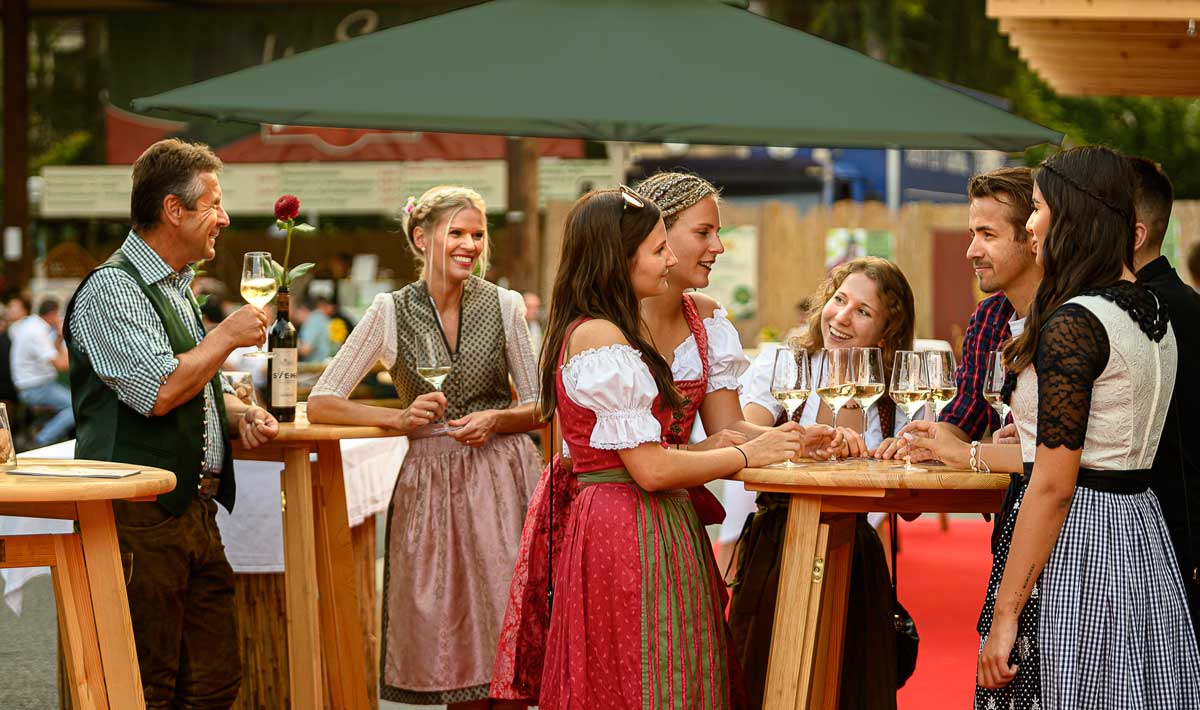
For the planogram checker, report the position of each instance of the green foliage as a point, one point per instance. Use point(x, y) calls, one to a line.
point(955, 41)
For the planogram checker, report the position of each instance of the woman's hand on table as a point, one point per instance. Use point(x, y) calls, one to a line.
point(820, 440)
point(475, 429)
point(1006, 434)
point(723, 438)
point(923, 441)
point(893, 448)
point(993, 670)
point(775, 446)
point(423, 410)
point(257, 427)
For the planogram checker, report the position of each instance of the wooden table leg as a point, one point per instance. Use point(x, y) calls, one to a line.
point(787, 681)
point(363, 539)
point(106, 580)
point(77, 626)
point(341, 621)
point(831, 621)
point(300, 580)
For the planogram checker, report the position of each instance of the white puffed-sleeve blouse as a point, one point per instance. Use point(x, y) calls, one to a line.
point(613, 382)
point(726, 361)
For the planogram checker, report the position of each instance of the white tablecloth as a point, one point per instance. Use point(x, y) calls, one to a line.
point(253, 534)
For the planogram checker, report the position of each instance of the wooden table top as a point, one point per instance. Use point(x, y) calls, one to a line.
point(870, 474)
point(47, 489)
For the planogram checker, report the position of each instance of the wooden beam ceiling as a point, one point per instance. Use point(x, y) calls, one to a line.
point(1107, 47)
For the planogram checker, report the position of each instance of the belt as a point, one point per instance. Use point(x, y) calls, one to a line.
point(1121, 482)
point(608, 475)
point(207, 487)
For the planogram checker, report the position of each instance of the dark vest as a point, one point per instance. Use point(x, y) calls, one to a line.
point(109, 430)
point(479, 377)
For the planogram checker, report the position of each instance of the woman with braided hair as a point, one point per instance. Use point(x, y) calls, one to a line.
point(692, 333)
point(461, 496)
point(1085, 605)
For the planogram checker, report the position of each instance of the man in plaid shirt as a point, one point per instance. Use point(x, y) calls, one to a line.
point(1003, 258)
point(1004, 261)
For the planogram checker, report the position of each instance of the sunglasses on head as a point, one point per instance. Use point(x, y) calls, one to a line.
point(632, 199)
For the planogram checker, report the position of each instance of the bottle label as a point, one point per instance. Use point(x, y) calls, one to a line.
point(283, 378)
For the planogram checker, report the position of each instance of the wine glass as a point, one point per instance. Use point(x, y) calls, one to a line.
point(434, 365)
point(871, 380)
point(942, 386)
point(790, 384)
point(910, 388)
point(993, 384)
point(258, 285)
point(836, 383)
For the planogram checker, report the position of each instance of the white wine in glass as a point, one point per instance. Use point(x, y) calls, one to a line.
point(868, 366)
point(258, 285)
point(942, 386)
point(433, 366)
point(790, 382)
point(435, 376)
point(910, 388)
point(836, 383)
point(993, 384)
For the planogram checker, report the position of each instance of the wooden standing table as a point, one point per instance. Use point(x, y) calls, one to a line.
point(89, 582)
point(324, 622)
point(806, 645)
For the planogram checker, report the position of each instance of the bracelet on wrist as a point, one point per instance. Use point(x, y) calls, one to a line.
point(744, 458)
point(978, 465)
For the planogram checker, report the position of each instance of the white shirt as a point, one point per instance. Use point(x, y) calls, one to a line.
point(1016, 326)
point(34, 346)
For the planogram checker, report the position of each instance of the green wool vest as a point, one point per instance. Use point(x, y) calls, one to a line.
point(478, 379)
point(109, 430)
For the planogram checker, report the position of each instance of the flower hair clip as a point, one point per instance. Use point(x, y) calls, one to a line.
point(410, 205)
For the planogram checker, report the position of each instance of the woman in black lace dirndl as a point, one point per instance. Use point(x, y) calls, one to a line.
point(1085, 606)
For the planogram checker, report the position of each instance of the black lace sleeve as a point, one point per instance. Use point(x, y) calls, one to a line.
point(1072, 352)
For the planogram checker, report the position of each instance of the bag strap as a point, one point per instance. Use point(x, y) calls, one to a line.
point(550, 528)
point(892, 520)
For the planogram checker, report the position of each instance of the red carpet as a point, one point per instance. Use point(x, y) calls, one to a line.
point(943, 577)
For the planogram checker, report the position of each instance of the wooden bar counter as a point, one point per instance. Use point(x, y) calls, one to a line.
point(89, 583)
point(327, 659)
point(806, 647)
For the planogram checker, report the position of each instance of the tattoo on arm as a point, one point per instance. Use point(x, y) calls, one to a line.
point(1025, 586)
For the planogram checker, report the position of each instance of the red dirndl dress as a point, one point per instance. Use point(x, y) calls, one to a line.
point(522, 648)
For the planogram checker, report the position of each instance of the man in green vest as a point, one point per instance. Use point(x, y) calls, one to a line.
point(146, 389)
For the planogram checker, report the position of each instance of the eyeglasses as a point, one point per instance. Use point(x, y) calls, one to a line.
point(632, 199)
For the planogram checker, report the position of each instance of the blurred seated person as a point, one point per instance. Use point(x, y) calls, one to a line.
point(314, 344)
point(38, 355)
point(15, 308)
point(324, 330)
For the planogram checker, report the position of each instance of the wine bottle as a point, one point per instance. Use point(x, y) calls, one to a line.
point(281, 368)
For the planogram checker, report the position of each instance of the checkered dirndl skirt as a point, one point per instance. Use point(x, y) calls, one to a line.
point(1109, 625)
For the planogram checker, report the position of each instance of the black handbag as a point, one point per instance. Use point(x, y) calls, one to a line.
point(907, 638)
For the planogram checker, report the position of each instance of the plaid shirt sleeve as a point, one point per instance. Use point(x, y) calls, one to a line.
point(986, 332)
point(117, 328)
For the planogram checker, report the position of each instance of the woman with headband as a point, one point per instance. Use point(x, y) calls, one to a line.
point(1085, 605)
point(692, 332)
point(637, 619)
point(460, 500)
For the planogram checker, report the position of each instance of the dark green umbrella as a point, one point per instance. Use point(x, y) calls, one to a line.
point(689, 71)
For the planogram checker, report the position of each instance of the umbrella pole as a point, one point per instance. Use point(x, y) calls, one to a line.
point(524, 243)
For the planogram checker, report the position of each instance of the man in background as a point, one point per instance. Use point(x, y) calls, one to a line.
point(37, 356)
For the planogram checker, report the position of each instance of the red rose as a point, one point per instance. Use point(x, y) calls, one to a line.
point(287, 207)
